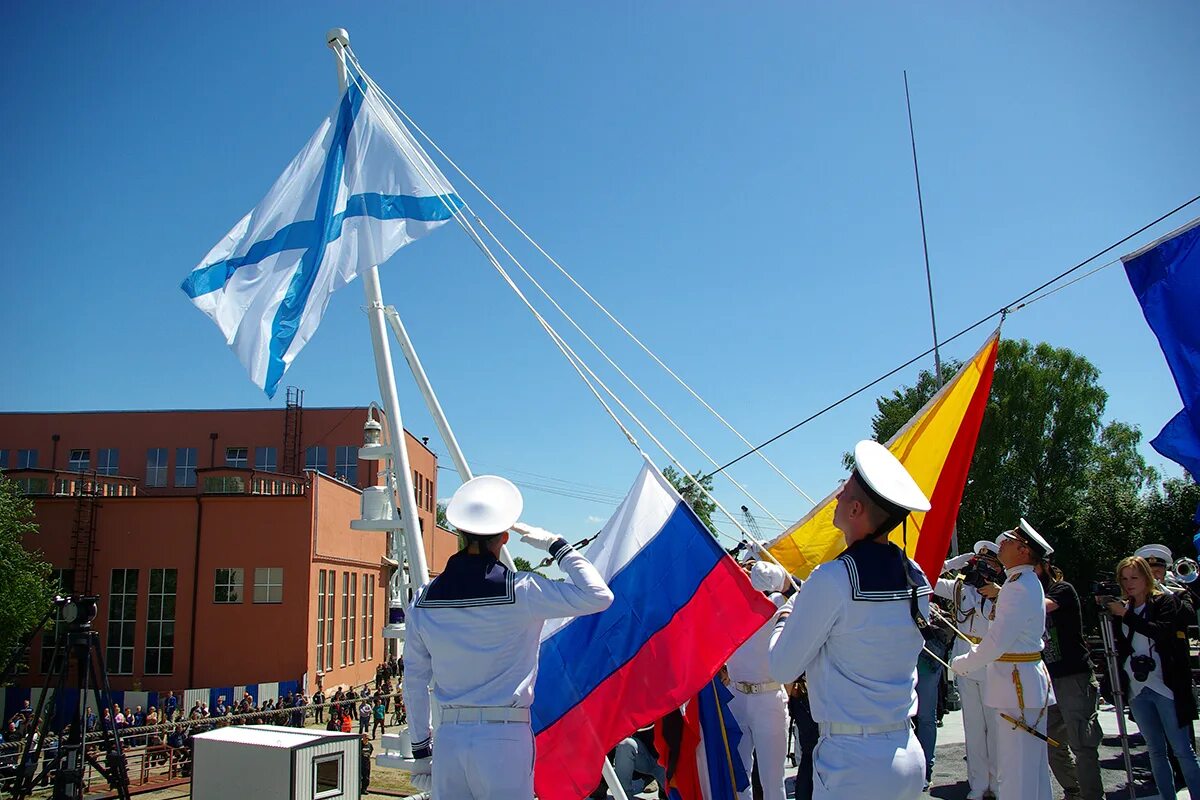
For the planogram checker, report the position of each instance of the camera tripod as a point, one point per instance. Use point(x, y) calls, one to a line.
point(78, 645)
point(1108, 637)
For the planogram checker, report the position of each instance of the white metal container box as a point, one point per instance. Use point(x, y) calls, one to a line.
point(271, 762)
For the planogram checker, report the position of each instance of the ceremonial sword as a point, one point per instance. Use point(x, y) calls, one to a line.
point(1032, 731)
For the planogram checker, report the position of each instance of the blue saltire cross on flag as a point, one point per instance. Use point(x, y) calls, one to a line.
point(359, 190)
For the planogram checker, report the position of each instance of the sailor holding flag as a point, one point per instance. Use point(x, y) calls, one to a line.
point(759, 703)
point(473, 639)
point(853, 629)
point(1018, 684)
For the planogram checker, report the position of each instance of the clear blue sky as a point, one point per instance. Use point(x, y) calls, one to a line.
point(734, 180)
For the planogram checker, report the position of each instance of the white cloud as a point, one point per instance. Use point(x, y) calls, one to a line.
point(594, 519)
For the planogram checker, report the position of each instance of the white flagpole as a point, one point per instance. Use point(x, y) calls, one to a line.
point(337, 39)
point(435, 407)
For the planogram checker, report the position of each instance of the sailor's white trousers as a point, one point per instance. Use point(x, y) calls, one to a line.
point(483, 761)
point(880, 766)
point(980, 724)
point(763, 718)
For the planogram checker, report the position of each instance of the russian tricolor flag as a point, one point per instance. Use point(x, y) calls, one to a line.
point(681, 607)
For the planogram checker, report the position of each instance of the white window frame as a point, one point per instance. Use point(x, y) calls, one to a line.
point(228, 584)
point(341, 775)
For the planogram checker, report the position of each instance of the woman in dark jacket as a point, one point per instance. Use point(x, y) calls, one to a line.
point(1155, 673)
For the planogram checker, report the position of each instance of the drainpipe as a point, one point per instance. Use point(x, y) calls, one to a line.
point(212, 450)
point(54, 451)
point(195, 587)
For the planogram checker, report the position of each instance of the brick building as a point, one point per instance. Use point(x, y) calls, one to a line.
point(218, 541)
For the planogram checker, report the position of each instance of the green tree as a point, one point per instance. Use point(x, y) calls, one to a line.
point(522, 564)
point(1037, 444)
point(698, 500)
point(25, 586)
point(441, 517)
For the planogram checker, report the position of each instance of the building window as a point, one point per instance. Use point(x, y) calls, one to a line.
point(330, 591)
point(266, 459)
point(320, 621)
point(345, 466)
point(327, 776)
point(33, 485)
point(122, 617)
point(156, 467)
point(314, 458)
point(371, 622)
point(80, 461)
point(63, 581)
point(160, 623)
point(268, 585)
point(429, 495)
point(107, 459)
point(418, 489)
point(227, 585)
point(345, 617)
point(235, 457)
point(366, 600)
point(26, 459)
point(3, 459)
point(185, 466)
point(225, 484)
point(353, 616)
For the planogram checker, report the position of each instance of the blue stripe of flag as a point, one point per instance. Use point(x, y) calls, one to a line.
point(647, 593)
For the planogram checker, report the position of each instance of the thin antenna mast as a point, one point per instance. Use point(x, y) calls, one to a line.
point(937, 356)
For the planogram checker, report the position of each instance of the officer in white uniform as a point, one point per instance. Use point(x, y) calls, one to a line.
point(472, 637)
point(853, 629)
point(759, 703)
point(1018, 684)
point(971, 613)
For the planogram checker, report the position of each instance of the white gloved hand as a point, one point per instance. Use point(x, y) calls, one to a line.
point(958, 664)
point(540, 538)
point(420, 772)
point(958, 562)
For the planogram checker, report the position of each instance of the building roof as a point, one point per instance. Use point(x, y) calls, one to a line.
point(276, 736)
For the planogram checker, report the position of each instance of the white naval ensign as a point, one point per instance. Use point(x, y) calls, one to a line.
point(472, 637)
point(1017, 682)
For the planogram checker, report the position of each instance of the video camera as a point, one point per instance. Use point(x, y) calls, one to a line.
point(1107, 589)
point(980, 572)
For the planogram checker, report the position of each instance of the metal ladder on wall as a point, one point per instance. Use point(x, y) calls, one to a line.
point(83, 531)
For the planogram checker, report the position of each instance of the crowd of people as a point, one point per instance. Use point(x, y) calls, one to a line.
point(372, 707)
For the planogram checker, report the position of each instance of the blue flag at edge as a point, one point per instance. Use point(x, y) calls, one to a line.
point(1166, 280)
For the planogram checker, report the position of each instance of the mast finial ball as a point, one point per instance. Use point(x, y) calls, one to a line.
point(337, 36)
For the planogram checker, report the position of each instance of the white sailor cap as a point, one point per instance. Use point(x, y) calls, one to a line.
point(1028, 534)
point(768, 577)
point(984, 544)
point(1157, 552)
point(886, 480)
point(485, 506)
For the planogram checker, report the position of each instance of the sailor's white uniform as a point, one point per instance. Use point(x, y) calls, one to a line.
point(472, 637)
point(981, 723)
point(858, 644)
point(760, 707)
point(1015, 633)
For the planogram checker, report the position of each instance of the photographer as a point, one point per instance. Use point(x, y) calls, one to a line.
point(1152, 651)
point(1074, 719)
point(973, 602)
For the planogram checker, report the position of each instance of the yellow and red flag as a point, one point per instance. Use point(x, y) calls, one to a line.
point(936, 447)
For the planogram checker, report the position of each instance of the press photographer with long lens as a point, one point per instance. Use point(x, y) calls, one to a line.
point(1154, 670)
point(1074, 719)
point(972, 595)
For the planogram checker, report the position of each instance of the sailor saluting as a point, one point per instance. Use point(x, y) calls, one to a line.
point(854, 631)
point(1018, 684)
point(473, 638)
